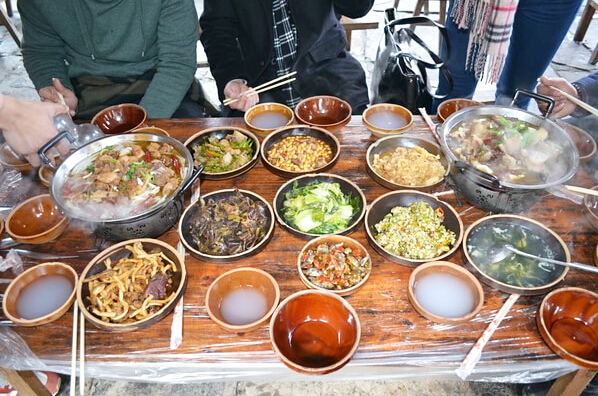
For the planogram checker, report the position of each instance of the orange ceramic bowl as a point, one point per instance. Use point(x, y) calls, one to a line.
point(120, 118)
point(10, 159)
point(448, 107)
point(385, 119)
point(36, 221)
point(264, 118)
point(328, 112)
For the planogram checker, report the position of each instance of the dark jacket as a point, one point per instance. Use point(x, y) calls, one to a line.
point(237, 38)
point(588, 87)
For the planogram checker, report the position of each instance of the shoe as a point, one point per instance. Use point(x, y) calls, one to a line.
point(50, 380)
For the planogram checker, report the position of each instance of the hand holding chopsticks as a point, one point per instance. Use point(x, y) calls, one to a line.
point(277, 82)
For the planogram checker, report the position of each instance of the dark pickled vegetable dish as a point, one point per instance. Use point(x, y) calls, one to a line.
point(229, 225)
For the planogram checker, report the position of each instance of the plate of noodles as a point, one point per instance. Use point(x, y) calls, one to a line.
point(131, 285)
point(406, 162)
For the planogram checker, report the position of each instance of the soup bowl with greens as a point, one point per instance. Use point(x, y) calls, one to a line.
point(514, 273)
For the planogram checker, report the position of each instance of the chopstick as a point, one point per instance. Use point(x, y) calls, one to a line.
point(81, 354)
point(277, 82)
point(582, 190)
point(431, 125)
point(577, 101)
point(74, 350)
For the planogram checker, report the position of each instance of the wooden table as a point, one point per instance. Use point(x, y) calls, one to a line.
point(396, 342)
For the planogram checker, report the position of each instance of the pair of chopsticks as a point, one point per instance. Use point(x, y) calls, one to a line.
point(277, 82)
point(81, 334)
point(577, 101)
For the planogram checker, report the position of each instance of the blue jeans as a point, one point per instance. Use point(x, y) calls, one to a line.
point(538, 30)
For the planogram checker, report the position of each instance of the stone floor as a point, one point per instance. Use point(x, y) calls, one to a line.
point(571, 62)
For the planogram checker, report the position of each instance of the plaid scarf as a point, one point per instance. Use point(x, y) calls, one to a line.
point(490, 23)
point(285, 47)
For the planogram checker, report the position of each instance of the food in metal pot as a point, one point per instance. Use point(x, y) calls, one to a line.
point(335, 266)
point(132, 288)
point(409, 166)
point(124, 180)
point(299, 153)
point(512, 150)
point(319, 208)
point(223, 155)
point(229, 225)
point(415, 231)
point(514, 269)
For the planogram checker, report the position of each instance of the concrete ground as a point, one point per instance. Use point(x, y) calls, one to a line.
point(571, 62)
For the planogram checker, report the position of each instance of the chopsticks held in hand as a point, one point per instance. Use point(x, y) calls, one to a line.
point(277, 82)
point(577, 101)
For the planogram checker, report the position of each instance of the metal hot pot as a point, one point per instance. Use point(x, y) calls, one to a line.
point(153, 220)
point(487, 191)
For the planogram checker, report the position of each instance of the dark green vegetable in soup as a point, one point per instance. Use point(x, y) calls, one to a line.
point(229, 225)
point(514, 269)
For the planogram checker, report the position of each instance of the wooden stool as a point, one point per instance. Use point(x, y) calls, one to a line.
point(582, 28)
point(8, 8)
point(424, 4)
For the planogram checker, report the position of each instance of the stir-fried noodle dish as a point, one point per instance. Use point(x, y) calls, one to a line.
point(132, 288)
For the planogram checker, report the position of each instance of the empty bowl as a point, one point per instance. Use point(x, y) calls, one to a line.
point(445, 292)
point(242, 299)
point(299, 149)
point(151, 276)
point(406, 162)
point(315, 332)
point(327, 112)
point(120, 118)
point(568, 322)
point(383, 119)
point(448, 107)
point(36, 221)
point(335, 263)
point(264, 118)
point(585, 143)
point(41, 294)
point(10, 159)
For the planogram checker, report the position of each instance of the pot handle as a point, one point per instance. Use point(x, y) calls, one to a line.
point(466, 168)
point(543, 98)
point(191, 180)
point(42, 151)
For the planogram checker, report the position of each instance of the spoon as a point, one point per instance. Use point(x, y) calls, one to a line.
point(500, 252)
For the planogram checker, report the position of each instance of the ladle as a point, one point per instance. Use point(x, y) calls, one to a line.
point(499, 252)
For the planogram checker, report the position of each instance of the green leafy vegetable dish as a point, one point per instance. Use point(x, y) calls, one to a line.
point(319, 208)
point(219, 155)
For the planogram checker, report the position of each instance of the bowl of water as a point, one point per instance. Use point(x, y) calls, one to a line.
point(264, 118)
point(41, 294)
point(445, 292)
point(383, 119)
point(242, 299)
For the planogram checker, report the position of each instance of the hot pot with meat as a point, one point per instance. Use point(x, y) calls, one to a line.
point(504, 159)
point(125, 186)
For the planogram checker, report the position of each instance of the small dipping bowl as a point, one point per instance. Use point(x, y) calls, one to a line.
point(328, 112)
point(445, 292)
point(264, 118)
point(315, 332)
point(590, 208)
point(120, 118)
point(45, 174)
point(242, 299)
point(383, 119)
point(568, 322)
point(448, 107)
point(36, 221)
point(41, 294)
point(10, 159)
point(585, 143)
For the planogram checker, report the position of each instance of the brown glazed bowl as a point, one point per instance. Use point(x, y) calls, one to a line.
point(36, 221)
point(120, 251)
point(120, 118)
point(384, 119)
point(315, 332)
point(328, 112)
point(52, 308)
point(264, 118)
point(585, 143)
point(329, 240)
point(252, 311)
point(10, 159)
point(426, 305)
point(448, 107)
point(590, 208)
point(568, 322)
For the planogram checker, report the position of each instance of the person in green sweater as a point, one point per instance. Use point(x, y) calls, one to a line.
point(96, 53)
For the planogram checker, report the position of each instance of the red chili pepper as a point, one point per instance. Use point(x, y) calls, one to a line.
point(148, 157)
point(176, 164)
point(439, 212)
point(356, 252)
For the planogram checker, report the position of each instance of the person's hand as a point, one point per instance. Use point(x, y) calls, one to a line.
point(562, 106)
point(27, 126)
point(238, 89)
point(57, 93)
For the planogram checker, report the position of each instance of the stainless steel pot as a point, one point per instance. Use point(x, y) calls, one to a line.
point(152, 222)
point(488, 192)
